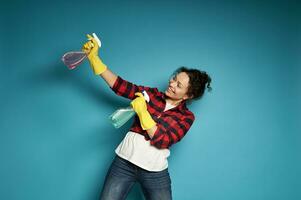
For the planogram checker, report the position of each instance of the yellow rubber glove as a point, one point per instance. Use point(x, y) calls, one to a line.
point(139, 106)
point(91, 49)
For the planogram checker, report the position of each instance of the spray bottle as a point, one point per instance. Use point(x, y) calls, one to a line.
point(122, 115)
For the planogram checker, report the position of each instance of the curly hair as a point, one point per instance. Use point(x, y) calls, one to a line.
point(198, 82)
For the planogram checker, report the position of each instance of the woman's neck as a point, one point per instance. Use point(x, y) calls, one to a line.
point(173, 102)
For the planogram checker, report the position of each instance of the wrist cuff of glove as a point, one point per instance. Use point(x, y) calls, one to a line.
point(146, 121)
point(97, 65)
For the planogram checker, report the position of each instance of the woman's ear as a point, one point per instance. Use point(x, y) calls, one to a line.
point(185, 97)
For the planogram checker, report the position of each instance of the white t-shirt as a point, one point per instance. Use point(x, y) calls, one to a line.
point(140, 152)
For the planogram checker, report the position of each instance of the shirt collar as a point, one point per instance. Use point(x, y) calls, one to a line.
point(182, 106)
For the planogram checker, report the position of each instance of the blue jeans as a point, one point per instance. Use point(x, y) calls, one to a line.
point(123, 174)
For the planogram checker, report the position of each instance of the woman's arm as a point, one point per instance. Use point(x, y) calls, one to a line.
point(169, 131)
point(109, 77)
point(152, 131)
point(117, 84)
point(91, 49)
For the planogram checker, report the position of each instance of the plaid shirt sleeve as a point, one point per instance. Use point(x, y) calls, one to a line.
point(171, 130)
point(127, 89)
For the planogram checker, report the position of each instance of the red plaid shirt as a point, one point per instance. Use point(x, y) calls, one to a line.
point(172, 124)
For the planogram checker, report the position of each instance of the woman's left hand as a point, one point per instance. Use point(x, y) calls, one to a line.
point(140, 107)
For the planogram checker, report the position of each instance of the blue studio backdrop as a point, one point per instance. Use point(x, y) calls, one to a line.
point(55, 138)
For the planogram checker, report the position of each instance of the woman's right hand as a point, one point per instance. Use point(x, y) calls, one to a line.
point(91, 47)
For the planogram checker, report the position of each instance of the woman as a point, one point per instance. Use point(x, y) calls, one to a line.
point(142, 155)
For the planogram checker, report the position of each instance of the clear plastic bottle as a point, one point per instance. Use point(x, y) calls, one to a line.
point(122, 115)
point(73, 59)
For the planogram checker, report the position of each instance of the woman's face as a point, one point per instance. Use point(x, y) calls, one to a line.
point(178, 86)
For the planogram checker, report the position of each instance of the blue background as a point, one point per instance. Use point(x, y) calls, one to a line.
point(55, 138)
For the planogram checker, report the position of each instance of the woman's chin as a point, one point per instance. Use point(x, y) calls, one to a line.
point(167, 93)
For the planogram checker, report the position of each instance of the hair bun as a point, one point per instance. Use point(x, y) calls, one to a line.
point(208, 82)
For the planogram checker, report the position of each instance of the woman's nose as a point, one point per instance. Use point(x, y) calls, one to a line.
point(172, 83)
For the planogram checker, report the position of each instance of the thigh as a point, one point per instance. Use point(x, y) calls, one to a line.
point(119, 180)
point(156, 185)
